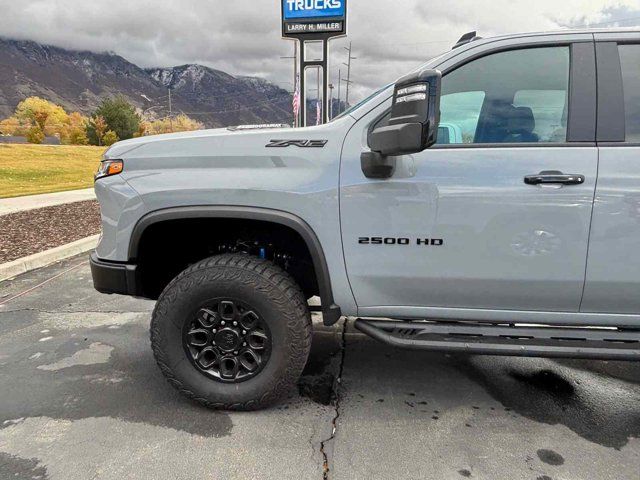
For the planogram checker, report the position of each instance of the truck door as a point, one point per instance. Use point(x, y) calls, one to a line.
point(613, 272)
point(497, 215)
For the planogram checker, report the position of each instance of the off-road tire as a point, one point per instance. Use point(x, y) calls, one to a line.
point(265, 286)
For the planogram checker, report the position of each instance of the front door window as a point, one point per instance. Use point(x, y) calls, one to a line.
point(519, 96)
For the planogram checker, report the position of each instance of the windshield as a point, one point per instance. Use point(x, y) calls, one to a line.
point(359, 104)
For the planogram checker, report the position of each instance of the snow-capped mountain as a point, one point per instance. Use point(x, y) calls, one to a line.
point(78, 80)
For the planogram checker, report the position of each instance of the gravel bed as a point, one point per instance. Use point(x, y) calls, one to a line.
point(34, 231)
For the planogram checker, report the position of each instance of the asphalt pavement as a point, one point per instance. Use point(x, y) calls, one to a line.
point(81, 398)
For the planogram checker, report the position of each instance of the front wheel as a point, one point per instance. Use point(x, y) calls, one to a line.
point(232, 332)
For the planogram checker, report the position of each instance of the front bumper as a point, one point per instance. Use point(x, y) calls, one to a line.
point(111, 277)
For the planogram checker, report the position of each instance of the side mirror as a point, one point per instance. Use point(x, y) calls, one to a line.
point(413, 126)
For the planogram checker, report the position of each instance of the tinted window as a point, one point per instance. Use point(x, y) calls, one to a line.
point(459, 115)
point(509, 97)
point(549, 108)
point(630, 61)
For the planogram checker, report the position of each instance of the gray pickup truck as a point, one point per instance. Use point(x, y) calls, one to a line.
point(486, 203)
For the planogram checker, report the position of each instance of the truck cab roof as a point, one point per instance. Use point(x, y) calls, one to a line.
point(472, 39)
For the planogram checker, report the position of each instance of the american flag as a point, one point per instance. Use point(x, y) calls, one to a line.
point(296, 99)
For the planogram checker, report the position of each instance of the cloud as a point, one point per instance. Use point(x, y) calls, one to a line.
point(242, 37)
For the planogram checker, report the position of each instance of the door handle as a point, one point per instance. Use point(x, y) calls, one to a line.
point(554, 177)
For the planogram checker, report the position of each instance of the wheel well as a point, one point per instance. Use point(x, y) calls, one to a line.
point(167, 247)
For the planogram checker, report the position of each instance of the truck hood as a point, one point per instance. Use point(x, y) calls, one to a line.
point(221, 141)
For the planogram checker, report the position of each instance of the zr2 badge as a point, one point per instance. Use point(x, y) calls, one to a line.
point(297, 143)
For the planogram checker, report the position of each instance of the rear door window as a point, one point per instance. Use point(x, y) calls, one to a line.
point(630, 62)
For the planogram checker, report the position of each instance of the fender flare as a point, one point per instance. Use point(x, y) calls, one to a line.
point(330, 311)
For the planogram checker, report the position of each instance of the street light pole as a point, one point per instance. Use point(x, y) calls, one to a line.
point(339, 93)
point(348, 79)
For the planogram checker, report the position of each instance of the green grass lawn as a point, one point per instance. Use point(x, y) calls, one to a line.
point(32, 169)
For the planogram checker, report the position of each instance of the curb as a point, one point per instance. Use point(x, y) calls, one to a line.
point(38, 260)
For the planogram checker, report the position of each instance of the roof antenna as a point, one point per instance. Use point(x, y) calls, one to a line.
point(466, 38)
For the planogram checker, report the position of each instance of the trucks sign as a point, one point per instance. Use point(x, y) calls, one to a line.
point(314, 17)
point(294, 9)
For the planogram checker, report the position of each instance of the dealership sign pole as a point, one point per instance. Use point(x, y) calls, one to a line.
point(313, 22)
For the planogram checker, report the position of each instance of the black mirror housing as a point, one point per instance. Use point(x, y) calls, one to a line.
point(397, 139)
point(415, 116)
point(375, 165)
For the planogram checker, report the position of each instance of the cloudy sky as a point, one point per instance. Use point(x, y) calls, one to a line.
point(242, 37)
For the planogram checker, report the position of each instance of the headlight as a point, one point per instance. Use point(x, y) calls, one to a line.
point(108, 168)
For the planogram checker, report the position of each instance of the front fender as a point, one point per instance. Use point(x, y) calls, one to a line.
point(331, 312)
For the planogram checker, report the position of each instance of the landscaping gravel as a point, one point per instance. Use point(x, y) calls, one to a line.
point(34, 231)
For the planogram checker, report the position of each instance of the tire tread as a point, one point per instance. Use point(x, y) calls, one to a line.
point(280, 284)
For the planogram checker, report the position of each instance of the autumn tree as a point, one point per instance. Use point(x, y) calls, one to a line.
point(96, 129)
point(75, 132)
point(50, 117)
point(13, 126)
point(181, 123)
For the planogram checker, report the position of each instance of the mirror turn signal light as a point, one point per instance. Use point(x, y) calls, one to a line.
point(413, 93)
point(108, 168)
point(420, 87)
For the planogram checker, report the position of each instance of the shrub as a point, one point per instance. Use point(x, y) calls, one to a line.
point(9, 126)
point(75, 131)
point(110, 138)
point(181, 123)
point(77, 136)
point(35, 135)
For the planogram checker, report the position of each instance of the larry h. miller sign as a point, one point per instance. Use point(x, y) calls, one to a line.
point(314, 18)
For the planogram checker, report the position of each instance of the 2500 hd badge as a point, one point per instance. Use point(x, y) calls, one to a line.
point(429, 242)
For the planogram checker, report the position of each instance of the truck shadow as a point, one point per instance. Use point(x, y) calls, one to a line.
point(129, 386)
point(600, 401)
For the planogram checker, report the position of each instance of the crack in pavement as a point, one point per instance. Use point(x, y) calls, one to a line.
point(4, 301)
point(336, 403)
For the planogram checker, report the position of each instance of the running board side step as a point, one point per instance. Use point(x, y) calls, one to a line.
point(525, 341)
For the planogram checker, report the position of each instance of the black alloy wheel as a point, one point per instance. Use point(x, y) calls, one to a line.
point(232, 332)
point(227, 340)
